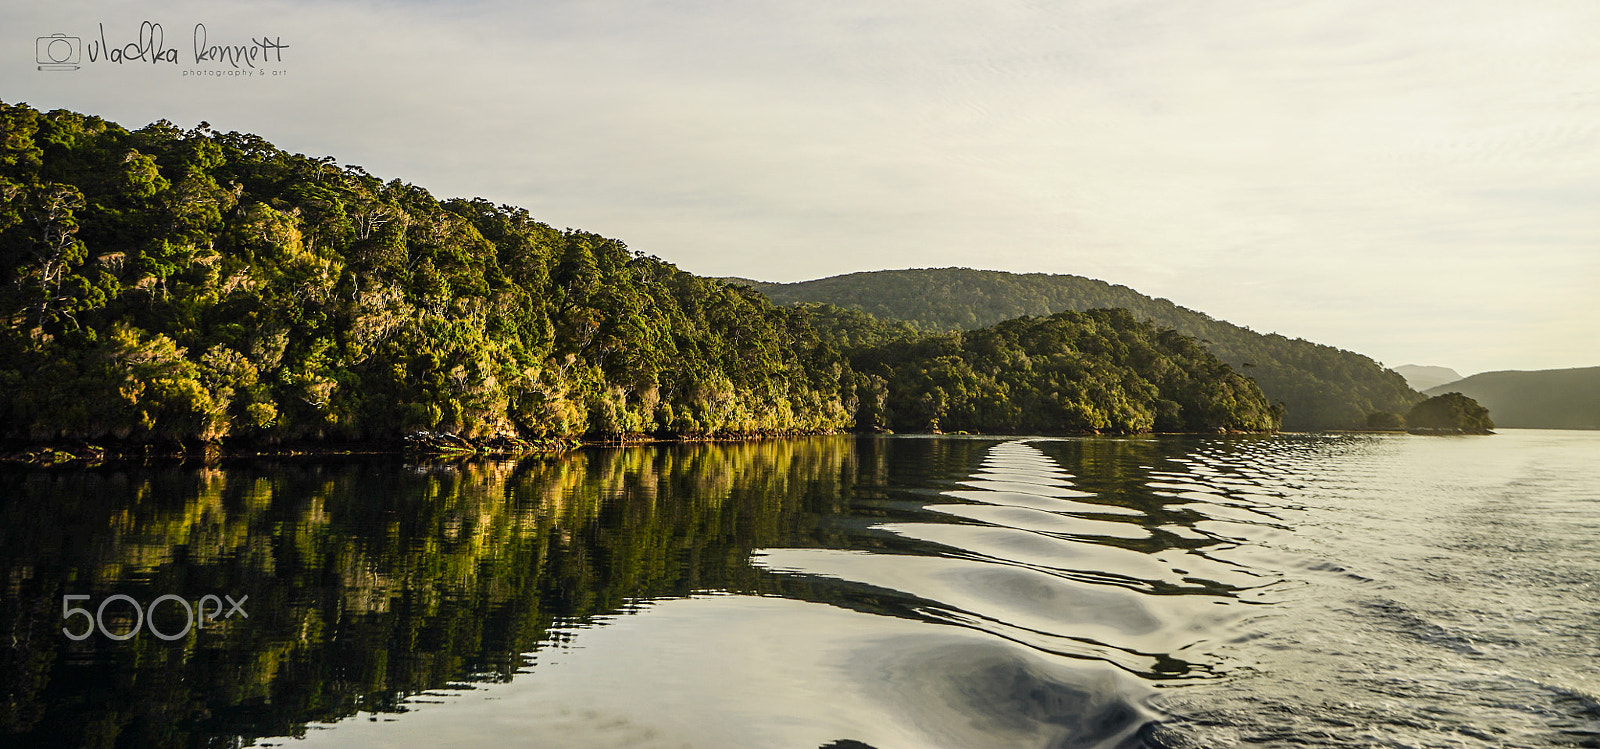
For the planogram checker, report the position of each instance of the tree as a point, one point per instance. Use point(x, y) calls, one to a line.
point(1450, 413)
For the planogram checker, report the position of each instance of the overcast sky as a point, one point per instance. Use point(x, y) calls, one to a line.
point(1419, 182)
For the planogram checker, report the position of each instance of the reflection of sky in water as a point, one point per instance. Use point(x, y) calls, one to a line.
point(736, 671)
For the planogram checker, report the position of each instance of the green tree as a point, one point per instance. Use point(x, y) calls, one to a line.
point(1451, 412)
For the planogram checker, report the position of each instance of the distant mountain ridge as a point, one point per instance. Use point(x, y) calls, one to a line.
point(1322, 387)
point(1421, 377)
point(1538, 399)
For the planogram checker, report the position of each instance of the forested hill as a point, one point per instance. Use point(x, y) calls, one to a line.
point(1094, 371)
point(1320, 386)
point(191, 284)
point(1539, 399)
point(169, 284)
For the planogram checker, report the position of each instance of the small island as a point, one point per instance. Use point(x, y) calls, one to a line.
point(1450, 413)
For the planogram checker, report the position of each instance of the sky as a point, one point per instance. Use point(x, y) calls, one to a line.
point(1418, 182)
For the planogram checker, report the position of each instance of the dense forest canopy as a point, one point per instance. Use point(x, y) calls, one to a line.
point(169, 284)
point(1094, 371)
point(1320, 386)
point(165, 283)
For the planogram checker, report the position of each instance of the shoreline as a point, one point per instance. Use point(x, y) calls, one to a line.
point(52, 453)
point(48, 453)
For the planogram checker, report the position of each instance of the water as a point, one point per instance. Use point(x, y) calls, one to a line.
point(1291, 590)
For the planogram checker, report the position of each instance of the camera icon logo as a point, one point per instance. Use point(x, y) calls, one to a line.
point(60, 52)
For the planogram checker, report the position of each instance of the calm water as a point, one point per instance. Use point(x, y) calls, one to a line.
point(879, 592)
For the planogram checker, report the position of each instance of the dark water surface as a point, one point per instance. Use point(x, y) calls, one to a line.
point(1294, 590)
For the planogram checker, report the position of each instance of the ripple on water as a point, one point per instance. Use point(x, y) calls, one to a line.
point(1435, 590)
point(1025, 518)
point(1034, 563)
point(759, 670)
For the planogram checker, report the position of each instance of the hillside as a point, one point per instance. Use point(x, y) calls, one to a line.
point(163, 284)
point(1072, 372)
point(1421, 377)
point(1320, 386)
point(189, 285)
point(1539, 399)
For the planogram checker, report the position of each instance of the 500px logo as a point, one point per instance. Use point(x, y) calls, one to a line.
point(62, 52)
point(97, 620)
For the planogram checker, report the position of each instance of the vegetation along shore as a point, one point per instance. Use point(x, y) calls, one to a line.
point(193, 291)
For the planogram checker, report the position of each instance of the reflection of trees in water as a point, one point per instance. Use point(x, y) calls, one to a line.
point(367, 581)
